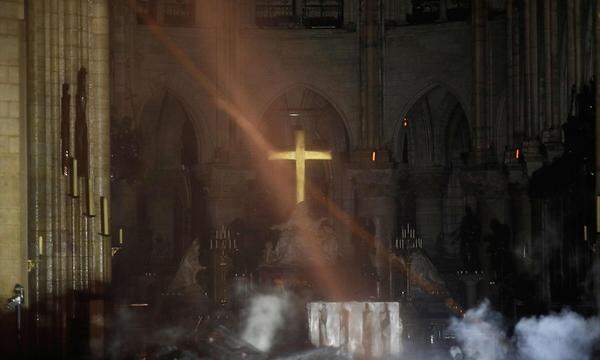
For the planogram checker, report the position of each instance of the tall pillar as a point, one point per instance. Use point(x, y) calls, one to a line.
point(534, 81)
point(549, 61)
point(371, 40)
point(510, 93)
point(64, 38)
point(479, 15)
point(13, 165)
point(597, 105)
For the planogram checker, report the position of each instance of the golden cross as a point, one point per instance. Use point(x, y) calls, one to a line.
point(300, 155)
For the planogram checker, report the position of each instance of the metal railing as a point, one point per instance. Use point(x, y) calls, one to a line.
point(179, 12)
point(323, 13)
point(276, 13)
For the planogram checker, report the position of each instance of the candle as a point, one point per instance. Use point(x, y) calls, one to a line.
point(121, 236)
point(90, 198)
point(40, 245)
point(104, 216)
point(74, 179)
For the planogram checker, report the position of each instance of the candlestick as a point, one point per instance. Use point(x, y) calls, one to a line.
point(74, 179)
point(40, 245)
point(90, 211)
point(104, 226)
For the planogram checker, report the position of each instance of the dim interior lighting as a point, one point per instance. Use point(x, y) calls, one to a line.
point(374, 156)
point(294, 114)
point(405, 122)
point(138, 305)
point(518, 154)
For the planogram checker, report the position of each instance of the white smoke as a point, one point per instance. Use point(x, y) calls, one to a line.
point(480, 335)
point(563, 336)
point(266, 316)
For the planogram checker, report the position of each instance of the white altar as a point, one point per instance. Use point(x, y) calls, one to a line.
point(365, 329)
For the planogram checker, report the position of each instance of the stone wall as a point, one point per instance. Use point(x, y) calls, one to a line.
point(251, 67)
point(13, 160)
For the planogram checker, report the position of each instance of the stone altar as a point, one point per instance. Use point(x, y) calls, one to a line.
point(372, 330)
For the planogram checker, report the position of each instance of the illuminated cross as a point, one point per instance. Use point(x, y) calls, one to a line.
point(300, 155)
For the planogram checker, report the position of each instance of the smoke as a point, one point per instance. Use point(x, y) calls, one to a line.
point(480, 334)
point(266, 316)
point(564, 336)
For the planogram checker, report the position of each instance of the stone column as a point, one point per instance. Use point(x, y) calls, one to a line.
point(479, 14)
point(429, 185)
point(534, 103)
point(510, 90)
point(13, 165)
point(571, 40)
point(549, 61)
point(597, 104)
point(63, 38)
point(371, 79)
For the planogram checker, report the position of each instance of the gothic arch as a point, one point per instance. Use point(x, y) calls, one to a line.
point(397, 127)
point(323, 124)
point(205, 143)
point(427, 117)
point(283, 90)
point(170, 192)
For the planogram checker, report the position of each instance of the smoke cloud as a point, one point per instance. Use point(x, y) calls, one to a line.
point(266, 316)
point(563, 336)
point(480, 334)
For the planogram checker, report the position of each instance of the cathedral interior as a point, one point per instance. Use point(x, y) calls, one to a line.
point(300, 179)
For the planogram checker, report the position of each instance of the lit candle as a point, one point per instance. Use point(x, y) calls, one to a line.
point(74, 179)
point(40, 245)
point(104, 216)
point(121, 236)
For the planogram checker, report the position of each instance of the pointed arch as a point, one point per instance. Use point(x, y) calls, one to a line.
point(148, 119)
point(422, 127)
point(289, 88)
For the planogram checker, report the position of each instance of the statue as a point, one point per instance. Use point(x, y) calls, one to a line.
point(421, 265)
point(470, 235)
point(189, 272)
point(303, 241)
